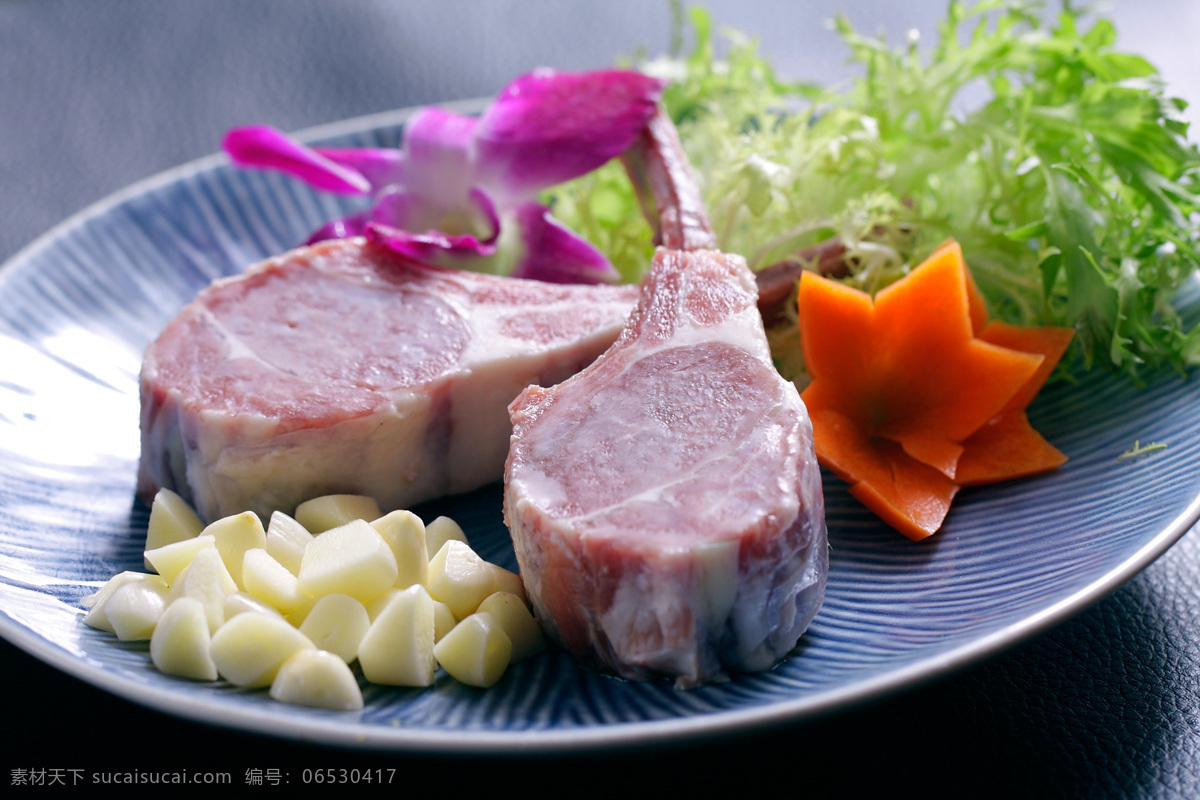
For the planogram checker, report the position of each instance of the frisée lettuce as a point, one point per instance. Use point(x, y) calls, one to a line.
point(1071, 185)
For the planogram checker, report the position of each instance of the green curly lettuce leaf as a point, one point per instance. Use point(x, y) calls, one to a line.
point(1071, 185)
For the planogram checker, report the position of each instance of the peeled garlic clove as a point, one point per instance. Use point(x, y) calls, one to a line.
point(334, 510)
point(234, 536)
point(270, 581)
point(337, 623)
point(398, 648)
point(440, 531)
point(476, 652)
point(509, 581)
point(460, 578)
point(206, 579)
point(405, 535)
point(97, 616)
point(134, 609)
point(513, 615)
point(171, 520)
point(250, 648)
point(241, 603)
point(351, 559)
point(172, 559)
point(443, 620)
point(317, 679)
point(180, 644)
point(287, 540)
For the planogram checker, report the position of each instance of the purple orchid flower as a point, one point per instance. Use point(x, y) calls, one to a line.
point(462, 190)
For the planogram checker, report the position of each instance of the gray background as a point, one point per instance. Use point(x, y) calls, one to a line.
point(97, 93)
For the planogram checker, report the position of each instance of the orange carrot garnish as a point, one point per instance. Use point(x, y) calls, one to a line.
point(913, 395)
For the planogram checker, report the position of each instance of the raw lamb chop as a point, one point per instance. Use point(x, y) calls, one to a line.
point(344, 367)
point(665, 504)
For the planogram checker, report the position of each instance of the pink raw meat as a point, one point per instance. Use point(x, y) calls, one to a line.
point(665, 503)
point(345, 368)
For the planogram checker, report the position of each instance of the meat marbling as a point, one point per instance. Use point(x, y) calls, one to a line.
point(665, 503)
point(343, 367)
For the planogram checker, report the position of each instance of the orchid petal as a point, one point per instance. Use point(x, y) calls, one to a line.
point(344, 228)
point(410, 211)
point(553, 253)
point(485, 209)
point(440, 198)
point(432, 247)
point(381, 166)
point(548, 127)
point(438, 148)
point(269, 148)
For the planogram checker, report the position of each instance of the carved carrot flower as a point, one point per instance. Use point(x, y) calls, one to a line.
point(1008, 447)
point(902, 389)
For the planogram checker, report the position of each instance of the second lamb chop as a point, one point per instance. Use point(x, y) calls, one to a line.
point(665, 503)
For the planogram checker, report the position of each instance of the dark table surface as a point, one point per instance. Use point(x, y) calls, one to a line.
point(95, 95)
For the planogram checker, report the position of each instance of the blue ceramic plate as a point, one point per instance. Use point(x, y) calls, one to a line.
point(78, 307)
